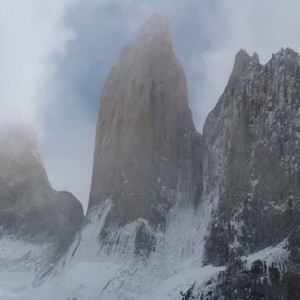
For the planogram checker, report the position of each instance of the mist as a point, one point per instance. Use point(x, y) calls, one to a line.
point(55, 56)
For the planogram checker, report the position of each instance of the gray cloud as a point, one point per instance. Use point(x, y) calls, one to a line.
point(29, 33)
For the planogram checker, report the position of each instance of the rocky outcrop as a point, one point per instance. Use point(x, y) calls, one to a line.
point(146, 145)
point(29, 207)
point(251, 164)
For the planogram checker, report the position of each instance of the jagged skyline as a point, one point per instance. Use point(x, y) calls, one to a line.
point(172, 212)
point(56, 56)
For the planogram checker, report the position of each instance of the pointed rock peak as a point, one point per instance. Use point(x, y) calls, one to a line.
point(242, 62)
point(287, 55)
point(256, 58)
point(155, 28)
point(153, 39)
point(145, 130)
point(287, 52)
point(157, 20)
point(242, 55)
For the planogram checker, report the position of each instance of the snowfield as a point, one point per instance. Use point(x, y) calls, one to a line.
point(89, 281)
point(92, 271)
point(19, 261)
point(14, 284)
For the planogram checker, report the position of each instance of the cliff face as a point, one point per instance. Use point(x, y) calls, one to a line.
point(243, 172)
point(169, 207)
point(251, 163)
point(29, 207)
point(146, 143)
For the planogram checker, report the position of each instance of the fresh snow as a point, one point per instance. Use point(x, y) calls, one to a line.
point(15, 284)
point(19, 261)
point(277, 256)
point(91, 270)
point(89, 281)
point(182, 281)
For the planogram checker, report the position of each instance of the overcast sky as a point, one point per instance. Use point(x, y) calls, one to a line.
point(56, 54)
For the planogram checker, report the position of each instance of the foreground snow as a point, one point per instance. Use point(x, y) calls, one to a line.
point(89, 281)
point(15, 284)
point(19, 261)
point(91, 271)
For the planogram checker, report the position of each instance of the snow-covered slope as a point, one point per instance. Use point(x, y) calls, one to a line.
point(19, 262)
point(37, 224)
point(146, 146)
point(95, 270)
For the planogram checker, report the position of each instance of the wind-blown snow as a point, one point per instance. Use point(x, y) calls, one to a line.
point(19, 261)
point(277, 256)
point(92, 270)
point(167, 272)
point(175, 264)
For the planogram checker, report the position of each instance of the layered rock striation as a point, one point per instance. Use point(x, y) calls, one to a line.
point(146, 149)
point(251, 162)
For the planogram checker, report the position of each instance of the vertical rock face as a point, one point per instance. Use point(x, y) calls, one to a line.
point(146, 142)
point(251, 162)
point(245, 167)
point(28, 205)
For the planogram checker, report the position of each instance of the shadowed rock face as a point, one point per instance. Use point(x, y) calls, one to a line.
point(145, 140)
point(28, 204)
point(251, 163)
point(251, 152)
point(147, 158)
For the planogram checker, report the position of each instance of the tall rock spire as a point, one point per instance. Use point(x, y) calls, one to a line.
point(145, 136)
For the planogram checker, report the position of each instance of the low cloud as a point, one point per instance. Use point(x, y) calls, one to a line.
point(30, 31)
